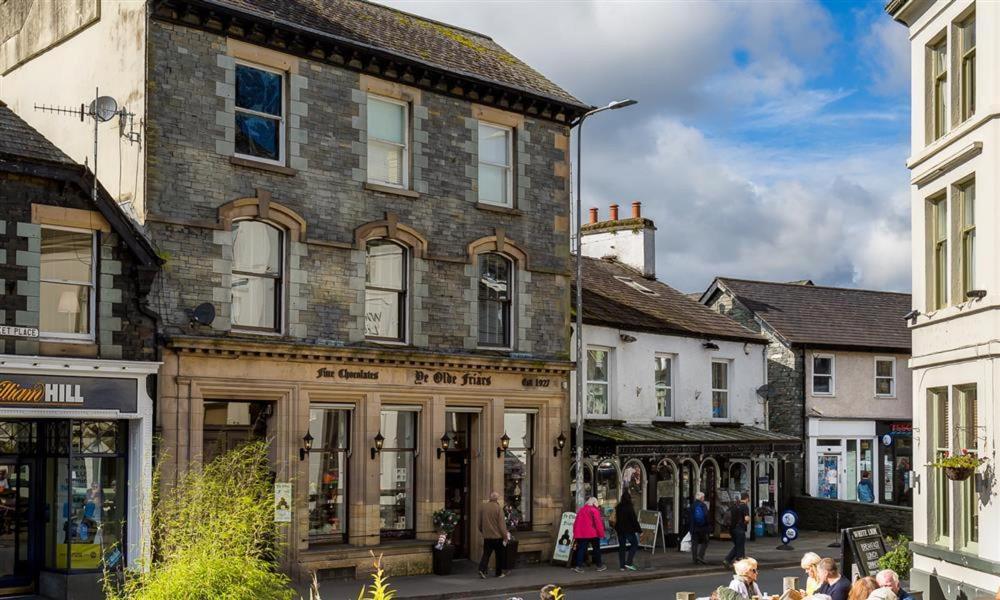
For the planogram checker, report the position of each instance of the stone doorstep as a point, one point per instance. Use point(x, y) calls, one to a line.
point(605, 579)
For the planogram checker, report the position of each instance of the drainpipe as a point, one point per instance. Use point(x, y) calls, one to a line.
point(805, 428)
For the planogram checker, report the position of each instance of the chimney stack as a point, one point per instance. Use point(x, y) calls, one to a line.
point(593, 216)
point(630, 242)
point(637, 210)
point(614, 213)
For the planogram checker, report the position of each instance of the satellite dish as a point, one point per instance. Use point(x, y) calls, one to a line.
point(104, 108)
point(203, 314)
point(766, 390)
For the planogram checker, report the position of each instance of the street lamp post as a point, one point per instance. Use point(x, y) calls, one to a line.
point(580, 359)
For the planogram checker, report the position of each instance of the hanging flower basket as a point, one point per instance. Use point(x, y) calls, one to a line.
point(959, 473)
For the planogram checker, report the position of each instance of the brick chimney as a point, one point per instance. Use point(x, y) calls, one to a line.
point(629, 241)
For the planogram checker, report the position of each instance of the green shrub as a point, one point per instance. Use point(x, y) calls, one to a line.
point(213, 536)
point(898, 558)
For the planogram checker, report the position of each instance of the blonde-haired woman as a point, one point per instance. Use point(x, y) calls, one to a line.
point(744, 581)
point(808, 564)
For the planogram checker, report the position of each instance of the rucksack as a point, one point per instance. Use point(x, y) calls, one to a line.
point(700, 518)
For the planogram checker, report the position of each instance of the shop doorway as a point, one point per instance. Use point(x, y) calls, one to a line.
point(229, 424)
point(458, 427)
point(18, 527)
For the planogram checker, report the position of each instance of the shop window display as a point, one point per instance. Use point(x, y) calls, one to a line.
point(517, 468)
point(328, 474)
point(396, 477)
point(666, 495)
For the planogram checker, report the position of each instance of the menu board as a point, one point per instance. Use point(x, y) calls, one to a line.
point(651, 523)
point(863, 546)
point(564, 539)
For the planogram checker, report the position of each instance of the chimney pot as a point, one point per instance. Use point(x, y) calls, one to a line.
point(593, 216)
point(637, 210)
point(614, 212)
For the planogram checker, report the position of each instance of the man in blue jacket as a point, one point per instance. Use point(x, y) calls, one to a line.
point(700, 521)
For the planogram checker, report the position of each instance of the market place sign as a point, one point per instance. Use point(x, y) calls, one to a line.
point(33, 391)
point(21, 332)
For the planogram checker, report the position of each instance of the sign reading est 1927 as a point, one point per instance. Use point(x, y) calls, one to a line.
point(23, 332)
point(33, 391)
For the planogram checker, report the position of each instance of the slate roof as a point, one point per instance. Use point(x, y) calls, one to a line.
point(417, 38)
point(681, 433)
point(817, 315)
point(611, 302)
point(18, 139)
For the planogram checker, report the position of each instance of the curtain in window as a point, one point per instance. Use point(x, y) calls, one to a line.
point(494, 300)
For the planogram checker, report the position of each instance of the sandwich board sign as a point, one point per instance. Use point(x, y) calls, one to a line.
point(862, 547)
point(564, 539)
point(651, 523)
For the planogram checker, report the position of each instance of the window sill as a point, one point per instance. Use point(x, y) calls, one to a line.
point(499, 209)
point(263, 166)
point(263, 332)
point(55, 339)
point(388, 189)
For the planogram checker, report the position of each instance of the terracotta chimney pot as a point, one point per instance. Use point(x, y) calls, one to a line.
point(614, 212)
point(593, 216)
point(637, 210)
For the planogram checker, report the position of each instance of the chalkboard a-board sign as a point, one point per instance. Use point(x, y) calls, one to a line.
point(863, 546)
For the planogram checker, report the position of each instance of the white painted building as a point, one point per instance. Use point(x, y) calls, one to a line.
point(954, 160)
point(672, 387)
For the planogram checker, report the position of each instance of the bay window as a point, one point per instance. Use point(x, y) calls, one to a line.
point(330, 429)
point(385, 291)
point(67, 274)
point(388, 141)
point(258, 258)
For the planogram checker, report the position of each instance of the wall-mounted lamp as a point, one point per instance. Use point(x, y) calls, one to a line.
point(710, 346)
point(560, 444)
point(379, 440)
point(445, 444)
point(628, 339)
point(976, 294)
point(504, 444)
point(307, 445)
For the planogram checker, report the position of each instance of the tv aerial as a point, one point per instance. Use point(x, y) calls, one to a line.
point(101, 109)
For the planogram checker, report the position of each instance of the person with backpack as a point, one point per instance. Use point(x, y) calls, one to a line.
point(627, 527)
point(700, 528)
point(736, 520)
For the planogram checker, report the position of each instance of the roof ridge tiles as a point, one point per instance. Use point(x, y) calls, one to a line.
point(813, 287)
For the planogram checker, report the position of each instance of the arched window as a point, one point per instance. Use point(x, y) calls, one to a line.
point(608, 484)
point(385, 291)
point(495, 282)
point(634, 480)
point(258, 260)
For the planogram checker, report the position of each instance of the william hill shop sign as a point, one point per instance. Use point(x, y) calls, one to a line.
point(31, 391)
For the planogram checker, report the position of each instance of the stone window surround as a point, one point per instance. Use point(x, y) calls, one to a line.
point(416, 137)
point(519, 160)
point(520, 324)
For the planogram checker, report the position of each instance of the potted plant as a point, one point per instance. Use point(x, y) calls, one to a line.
point(959, 467)
point(513, 518)
point(445, 521)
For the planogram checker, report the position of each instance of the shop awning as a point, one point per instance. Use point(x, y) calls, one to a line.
point(682, 433)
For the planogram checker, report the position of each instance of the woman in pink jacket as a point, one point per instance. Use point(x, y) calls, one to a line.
point(588, 528)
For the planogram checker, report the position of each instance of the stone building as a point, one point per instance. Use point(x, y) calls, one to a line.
point(77, 357)
point(376, 206)
point(838, 378)
point(672, 397)
point(956, 275)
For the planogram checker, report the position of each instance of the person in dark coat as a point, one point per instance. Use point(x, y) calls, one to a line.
point(700, 520)
point(628, 530)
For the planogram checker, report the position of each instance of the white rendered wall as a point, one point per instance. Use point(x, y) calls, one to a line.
point(633, 396)
point(633, 247)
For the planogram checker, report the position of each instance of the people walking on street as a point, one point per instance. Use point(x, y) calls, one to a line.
point(744, 581)
point(808, 564)
point(700, 528)
point(866, 489)
point(862, 588)
point(628, 530)
point(888, 578)
point(737, 519)
point(493, 527)
point(588, 529)
point(831, 582)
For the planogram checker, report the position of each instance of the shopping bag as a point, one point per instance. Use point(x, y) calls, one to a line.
point(686, 542)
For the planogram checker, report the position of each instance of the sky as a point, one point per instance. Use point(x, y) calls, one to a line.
point(770, 137)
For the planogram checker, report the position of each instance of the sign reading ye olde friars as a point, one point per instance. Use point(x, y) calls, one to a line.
point(422, 377)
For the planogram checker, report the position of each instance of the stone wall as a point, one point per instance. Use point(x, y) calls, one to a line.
point(120, 330)
point(820, 514)
point(191, 174)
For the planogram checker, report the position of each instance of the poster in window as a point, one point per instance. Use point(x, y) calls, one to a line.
point(282, 502)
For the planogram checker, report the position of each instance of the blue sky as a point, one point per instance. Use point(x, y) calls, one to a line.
point(769, 140)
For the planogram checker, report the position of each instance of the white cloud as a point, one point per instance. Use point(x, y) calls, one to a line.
point(887, 49)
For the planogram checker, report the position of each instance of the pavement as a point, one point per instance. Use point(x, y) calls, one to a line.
point(464, 583)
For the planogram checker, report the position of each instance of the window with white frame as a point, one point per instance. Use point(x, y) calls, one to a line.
point(258, 260)
point(966, 439)
point(966, 41)
point(967, 235)
point(598, 382)
point(937, 231)
point(385, 291)
point(720, 389)
point(496, 173)
point(885, 377)
point(67, 274)
point(388, 141)
point(822, 375)
point(937, 54)
point(664, 386)
point(260, 113)
point(940, 416)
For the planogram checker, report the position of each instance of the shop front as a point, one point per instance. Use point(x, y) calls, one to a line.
point(75, 472)
point(373, 442)
point(895, 452)
point(663, 466)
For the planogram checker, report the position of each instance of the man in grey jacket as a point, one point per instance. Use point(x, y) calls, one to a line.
point(493, 527)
